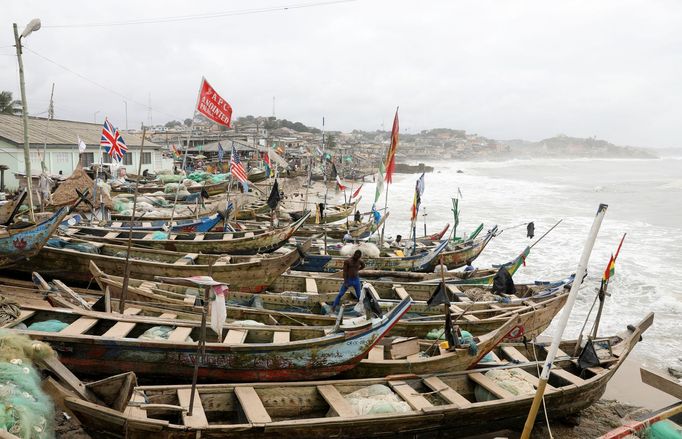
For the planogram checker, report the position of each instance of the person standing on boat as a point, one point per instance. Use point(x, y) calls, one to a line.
point(351, 277)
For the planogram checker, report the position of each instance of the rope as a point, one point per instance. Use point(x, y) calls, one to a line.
point(544, 405)
point(9, 310)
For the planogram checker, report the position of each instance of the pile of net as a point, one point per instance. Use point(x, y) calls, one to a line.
point(376, 399)
point(466, 339)
point(479, 294)
point(160, 333)
point(146, 205)
point(25, 410)
point(368, 250)
point(66, 194)
point(83, 247)
point(170, 178)
point(48, 326)
point(512, 380)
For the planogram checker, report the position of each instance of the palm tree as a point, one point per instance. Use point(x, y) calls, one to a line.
point(7, 105)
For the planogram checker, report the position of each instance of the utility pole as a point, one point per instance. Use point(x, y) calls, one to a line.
point(32, 26)
point(126, 104)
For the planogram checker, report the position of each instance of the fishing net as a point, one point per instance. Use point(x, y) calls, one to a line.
point(25, 410)
point(376, 399)
point(664, 429)
point(159, 235)
point(199, 176)
point(218, 178)
point(466, 339)
point(84, 247)
point(160, 333)
point(48, 326)
point(121, 205)
point(511, 380)
point(170, 178)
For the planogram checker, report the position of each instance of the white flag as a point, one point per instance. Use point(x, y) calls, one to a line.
point(81, 145)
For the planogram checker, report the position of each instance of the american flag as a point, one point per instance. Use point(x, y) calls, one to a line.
point(112, 141)
point(237, 169)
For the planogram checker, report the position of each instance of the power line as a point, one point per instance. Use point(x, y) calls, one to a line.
point(181, 18)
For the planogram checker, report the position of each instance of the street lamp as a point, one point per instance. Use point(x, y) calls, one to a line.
point(31, 27)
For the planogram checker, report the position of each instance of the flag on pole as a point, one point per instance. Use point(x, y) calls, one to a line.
point(357, 191)
point(610, 268)
point(112, 141)
point(81, 145)
point(176, 152)
point(418, 192)
point(267, 164)
point(274, 197)
point(390, 156)
point(237, 169)
point(221, 153)
point(341, 185)
point(380, 183)
point(213, 106)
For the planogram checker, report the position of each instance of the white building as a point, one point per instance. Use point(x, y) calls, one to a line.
point(58, 139)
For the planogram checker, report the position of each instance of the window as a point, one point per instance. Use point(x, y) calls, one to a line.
point(61, 157)
point(146, 158)
point(88, 158)
point(106, 158)
point(127, 159)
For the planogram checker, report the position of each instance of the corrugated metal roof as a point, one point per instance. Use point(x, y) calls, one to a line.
point(59, 132)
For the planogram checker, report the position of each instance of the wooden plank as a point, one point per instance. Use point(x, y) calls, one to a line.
point(235, 336)
point(199, 237)
point(188, 259)
point(23, 315)
point(661, 382)
point(281, 337)
point(134, 411)
point(310, 285)
point(448, 393)
point(514, 354)
point(248, 235)
point(198, 417)
point(400, 291)
point(252, 405)
point(190, 300)
point(120, 329)
point(111, 235)
point(404, 348)
point(568, 376)
point(180, 334)
point(336, 401)
point(116, 224)
point(411, 396)
point(80, 326)
point(533, 379)
point(376, 353)
point(490, 385)
point(168, 315)
point(131, 311)
point(148, 237)
point(227, 236)
point(74, 295)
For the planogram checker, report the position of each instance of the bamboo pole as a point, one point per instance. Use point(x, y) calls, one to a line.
point(563, 321)
point(602, 292)
point(126, 271)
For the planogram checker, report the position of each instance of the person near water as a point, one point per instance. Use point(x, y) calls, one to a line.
point(397, 242)
point(530, 229)
point(351, 277)
point(347, 237)
point(357, 217)
point(469, 267)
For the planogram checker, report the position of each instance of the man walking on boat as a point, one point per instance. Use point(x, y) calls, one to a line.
point(351, 277)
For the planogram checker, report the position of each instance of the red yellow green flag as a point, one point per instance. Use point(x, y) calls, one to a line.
point(390, 155)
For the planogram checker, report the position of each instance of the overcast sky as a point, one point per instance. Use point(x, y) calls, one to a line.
point(504, 69)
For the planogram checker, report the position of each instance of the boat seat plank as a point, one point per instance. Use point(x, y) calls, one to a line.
point(23, 315)
point(189, 299)
point(336, 401)
point(235, 336)
point(470, 318)
point(560, 353)
point(227, 236)
point(400, 291)
point(120, 329)
point(146, 224)
point(180, 334)
point(310, 285)
point(148, 237)
point(198, 417)
point(568, 376)
point(116, 224)
point(514, 354)
point(131, 311)
point(252, 405)
point(168, 315)
point(80, 326)
point(281, 337)
point(248, 235)
point(533, 379)
point(376, 353)
point(111, 235)
point(490, 385)
point(199, 237)
point(446, 392)
point(411, 396)
point(188, 259)
point(135, 411)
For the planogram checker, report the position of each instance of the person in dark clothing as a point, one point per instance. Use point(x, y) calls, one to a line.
point(530, 229)
point(351, 277)
point(503, 282)
point(357, 216)
point(320, 208)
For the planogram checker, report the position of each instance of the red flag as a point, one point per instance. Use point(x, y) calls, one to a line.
point(390, 156)
point(213, 106)
point(357, 191)
point(341, 186)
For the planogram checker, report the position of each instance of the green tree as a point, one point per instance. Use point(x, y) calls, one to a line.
point(7, 105)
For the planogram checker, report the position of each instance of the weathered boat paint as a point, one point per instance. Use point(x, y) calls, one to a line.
point(19, 244)
point(203, 224)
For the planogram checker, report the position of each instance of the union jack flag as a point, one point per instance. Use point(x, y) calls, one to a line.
point(112, 141)
point(237, 169)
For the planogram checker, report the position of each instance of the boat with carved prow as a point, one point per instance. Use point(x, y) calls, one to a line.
point(469, 403)
point(19, 242)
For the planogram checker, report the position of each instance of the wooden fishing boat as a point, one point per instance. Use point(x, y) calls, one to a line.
point(248, 242)
point(536, 305)
point(458, 254)
point(249, 273)
point(203, 224)
point(9, 209)
point(97, 343)
point(256, 175)
point(358, 230)
point(190, 212)
point(332, 213)
point(19, 242)
point(469, 403)
point(210, 188)
point(438, 235)
point(321, 262)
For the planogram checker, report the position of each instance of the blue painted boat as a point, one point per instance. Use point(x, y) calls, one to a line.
point(204, 224)
point(19, 243)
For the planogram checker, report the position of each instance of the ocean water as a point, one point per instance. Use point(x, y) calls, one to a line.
point(644, 199)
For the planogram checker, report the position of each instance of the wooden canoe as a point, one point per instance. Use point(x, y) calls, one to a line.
point(164, 214)
point(211, 188)
point(434, 404)
point(97, 343)
point(332, 213)
point(20, 243)
point(246, 242)
point(248, 273)
point(203, 224)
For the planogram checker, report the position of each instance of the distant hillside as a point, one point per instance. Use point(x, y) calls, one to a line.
point(565, 146)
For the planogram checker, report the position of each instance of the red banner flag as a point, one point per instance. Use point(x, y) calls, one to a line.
point(390, 156)
point(357, 191)
point(213, 106)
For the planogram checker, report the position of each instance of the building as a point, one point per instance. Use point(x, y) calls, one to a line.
point(58, 139)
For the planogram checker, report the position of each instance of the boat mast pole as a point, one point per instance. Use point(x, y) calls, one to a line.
point(126, 271)
point(572, 296)
point(602, 291)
